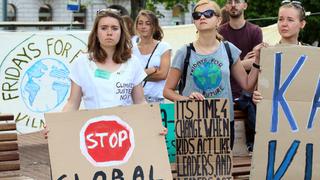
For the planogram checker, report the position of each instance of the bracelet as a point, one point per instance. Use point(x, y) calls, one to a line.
point(256, 65)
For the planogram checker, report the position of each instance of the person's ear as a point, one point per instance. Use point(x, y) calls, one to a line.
point(219, 19)
point(245, 5)
point(303, 23)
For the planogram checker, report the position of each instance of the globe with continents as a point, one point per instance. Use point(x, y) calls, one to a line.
point(45, 85)
point(207, 76)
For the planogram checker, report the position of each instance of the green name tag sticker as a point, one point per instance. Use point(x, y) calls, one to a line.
point(99, 73)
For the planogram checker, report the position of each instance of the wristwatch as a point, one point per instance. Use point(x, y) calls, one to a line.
point(256, 65)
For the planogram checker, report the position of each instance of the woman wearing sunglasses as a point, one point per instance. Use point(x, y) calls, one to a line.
point(107, 75)
point(291, 19)
point(208, 72)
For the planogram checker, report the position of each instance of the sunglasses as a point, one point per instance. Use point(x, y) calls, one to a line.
point(207, 14)
point(289, 1)
point(296, 4)
point(108, 10)
point(235, 1)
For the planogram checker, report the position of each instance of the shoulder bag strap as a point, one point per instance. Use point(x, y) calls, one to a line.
point(145, 82)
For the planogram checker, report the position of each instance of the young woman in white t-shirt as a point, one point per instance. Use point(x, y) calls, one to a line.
point(107, 75)
point(153, 54)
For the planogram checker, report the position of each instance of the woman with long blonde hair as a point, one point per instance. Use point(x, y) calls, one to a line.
point(209, 69)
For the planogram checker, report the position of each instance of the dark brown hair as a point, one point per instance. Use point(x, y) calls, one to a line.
point(157, 31)
point(123, 48)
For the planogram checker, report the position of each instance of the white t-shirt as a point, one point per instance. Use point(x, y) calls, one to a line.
point(134, 40)
point(153, 89)
point(101, 89)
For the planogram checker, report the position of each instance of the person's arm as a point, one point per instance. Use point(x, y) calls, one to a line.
point(161, 73)
point(138, 94)
point(248, 60)
point(74, 99)
point(248, 82)
point(171, 84)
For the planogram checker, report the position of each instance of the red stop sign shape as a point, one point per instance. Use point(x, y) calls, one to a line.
point(106, 141)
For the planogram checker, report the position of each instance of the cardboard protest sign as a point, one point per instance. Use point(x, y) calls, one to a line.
point(34, 70)
point(203, 139)
point(167, 115)
point(115, 143)
point(287, 142)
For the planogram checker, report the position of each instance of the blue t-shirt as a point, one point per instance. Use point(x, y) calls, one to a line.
point(208, 74)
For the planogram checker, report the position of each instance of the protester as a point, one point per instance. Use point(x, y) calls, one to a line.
point(291, 20)
point(245, 36)
point(153, 54)
point(107, 75)
point(208, 73)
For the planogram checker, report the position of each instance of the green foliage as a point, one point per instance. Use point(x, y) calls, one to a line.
point(260, 9)
point(311, 32)
point(169, 4)
point(221, 2)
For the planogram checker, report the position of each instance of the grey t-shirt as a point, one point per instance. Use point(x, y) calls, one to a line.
point(208, 74)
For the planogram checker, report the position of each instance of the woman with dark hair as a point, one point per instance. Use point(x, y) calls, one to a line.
point(153, 54)
point(107, 75)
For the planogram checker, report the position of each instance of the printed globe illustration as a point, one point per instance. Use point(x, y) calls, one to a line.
point(207, 76)
point(45, 85)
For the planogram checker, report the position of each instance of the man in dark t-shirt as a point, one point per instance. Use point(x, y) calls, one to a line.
point(245, 36)
point(242, 34)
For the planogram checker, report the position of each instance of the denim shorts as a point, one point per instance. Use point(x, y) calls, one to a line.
point(150, 99)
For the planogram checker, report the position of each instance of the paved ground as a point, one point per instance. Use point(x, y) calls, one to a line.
point(34, 157)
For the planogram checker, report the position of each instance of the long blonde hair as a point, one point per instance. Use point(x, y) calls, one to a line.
point(216, 9)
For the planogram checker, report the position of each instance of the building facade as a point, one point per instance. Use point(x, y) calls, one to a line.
point(56, 11)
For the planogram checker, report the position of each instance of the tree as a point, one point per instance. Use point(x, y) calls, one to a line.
point(265, 13)
point(312, 29)
point(137, 5)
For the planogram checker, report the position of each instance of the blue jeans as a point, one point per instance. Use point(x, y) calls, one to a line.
point(244, 103)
